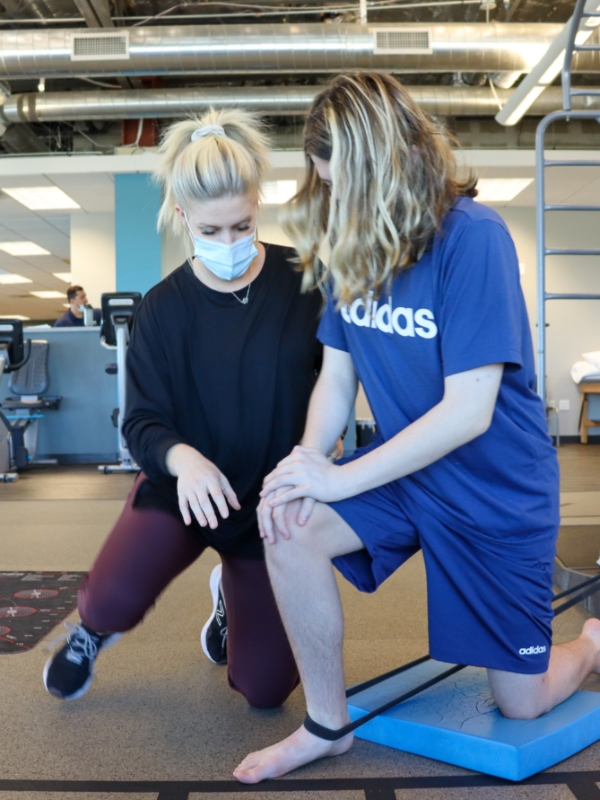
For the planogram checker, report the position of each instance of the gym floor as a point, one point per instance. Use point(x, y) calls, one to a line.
point(160, 720)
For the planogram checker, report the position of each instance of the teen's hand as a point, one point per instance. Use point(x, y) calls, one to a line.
point(305, 473)
point(338, 450)
point(273, 522)
point(267, 524)
point(199, 481)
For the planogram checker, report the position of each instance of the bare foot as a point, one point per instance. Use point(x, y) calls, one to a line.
point(279, 759)
point(591, 630)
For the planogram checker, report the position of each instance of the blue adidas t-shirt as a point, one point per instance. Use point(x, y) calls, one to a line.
point(459, 308)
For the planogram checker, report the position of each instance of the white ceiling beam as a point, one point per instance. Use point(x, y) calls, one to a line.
point(147, 161)
point(543, 74)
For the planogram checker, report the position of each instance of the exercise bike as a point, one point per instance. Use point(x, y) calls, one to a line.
point(118, 312)
point(14, 354)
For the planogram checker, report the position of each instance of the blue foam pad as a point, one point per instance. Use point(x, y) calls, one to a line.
point(456, 721)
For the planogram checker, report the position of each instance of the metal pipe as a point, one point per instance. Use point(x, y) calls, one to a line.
point(505, 80)
point(262, 49)
point(573, 29)
point(457, 101)
point(541, 164)
point(540, 218)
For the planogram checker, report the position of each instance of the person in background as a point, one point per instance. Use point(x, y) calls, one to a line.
point(73, 318)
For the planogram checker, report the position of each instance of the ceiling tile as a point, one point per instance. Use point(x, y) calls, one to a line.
point(88, 180)
point(10, 209)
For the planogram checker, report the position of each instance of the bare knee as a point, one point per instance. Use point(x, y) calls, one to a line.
point(519, 696)
point(323, 537)
point(301, 537)
point(311, 528)
point(516, 710)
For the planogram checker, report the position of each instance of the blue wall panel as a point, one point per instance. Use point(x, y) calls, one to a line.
point(138, 244)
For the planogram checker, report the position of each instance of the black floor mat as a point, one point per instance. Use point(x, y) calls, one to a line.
point(578, 546)
point(32, 603)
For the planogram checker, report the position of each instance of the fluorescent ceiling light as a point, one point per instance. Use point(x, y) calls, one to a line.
point(23, 249)
point(500, 190)
point(48, 295)
point(277, 192)
point(63, 276)
point(41, 197)
point(11, 277)
point(14, 316)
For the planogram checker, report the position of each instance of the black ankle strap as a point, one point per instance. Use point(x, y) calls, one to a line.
point(333, 735)
point(322, 732)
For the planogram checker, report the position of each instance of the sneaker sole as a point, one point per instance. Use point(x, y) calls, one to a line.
point(80, 692)
point(215, 580)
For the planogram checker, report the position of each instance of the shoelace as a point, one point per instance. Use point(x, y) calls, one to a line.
point(81, 643)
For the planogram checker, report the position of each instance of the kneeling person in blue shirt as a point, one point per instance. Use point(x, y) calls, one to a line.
point(424, 308)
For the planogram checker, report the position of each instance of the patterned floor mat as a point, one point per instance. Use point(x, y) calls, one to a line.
point(31, 604)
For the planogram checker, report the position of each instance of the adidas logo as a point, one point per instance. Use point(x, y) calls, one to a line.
point(403, 321)
point(532, 651)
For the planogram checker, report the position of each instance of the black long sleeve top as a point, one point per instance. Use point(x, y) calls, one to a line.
point(231, 380)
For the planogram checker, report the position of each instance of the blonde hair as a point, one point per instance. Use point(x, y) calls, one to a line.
point(393, 175)
point(213, 166)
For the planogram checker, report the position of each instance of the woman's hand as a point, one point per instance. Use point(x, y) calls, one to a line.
point(305, 473)
point(199, 481)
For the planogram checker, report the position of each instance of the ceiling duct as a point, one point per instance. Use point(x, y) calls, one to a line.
point(458, 101)
point(291, 48)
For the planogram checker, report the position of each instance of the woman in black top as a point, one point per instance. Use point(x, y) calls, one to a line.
point(221, 365)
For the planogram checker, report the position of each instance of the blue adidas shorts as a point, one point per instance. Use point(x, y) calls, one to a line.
point(488, 604)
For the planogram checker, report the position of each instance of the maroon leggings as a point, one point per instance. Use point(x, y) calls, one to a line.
point(146, 550)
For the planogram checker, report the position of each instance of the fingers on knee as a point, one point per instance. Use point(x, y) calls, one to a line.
point(300, 536)
point(292, 510)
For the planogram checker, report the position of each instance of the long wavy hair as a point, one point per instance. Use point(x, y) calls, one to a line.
point(393, 180)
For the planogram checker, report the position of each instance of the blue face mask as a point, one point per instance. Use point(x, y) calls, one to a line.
point(226, 261)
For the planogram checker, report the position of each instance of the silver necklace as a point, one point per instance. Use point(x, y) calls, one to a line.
point(243, 300)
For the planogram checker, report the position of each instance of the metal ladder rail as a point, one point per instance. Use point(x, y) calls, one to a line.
point(542, 208)
point(579, 14)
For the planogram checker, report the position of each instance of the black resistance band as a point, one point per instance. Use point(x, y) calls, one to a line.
point(588, 587)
